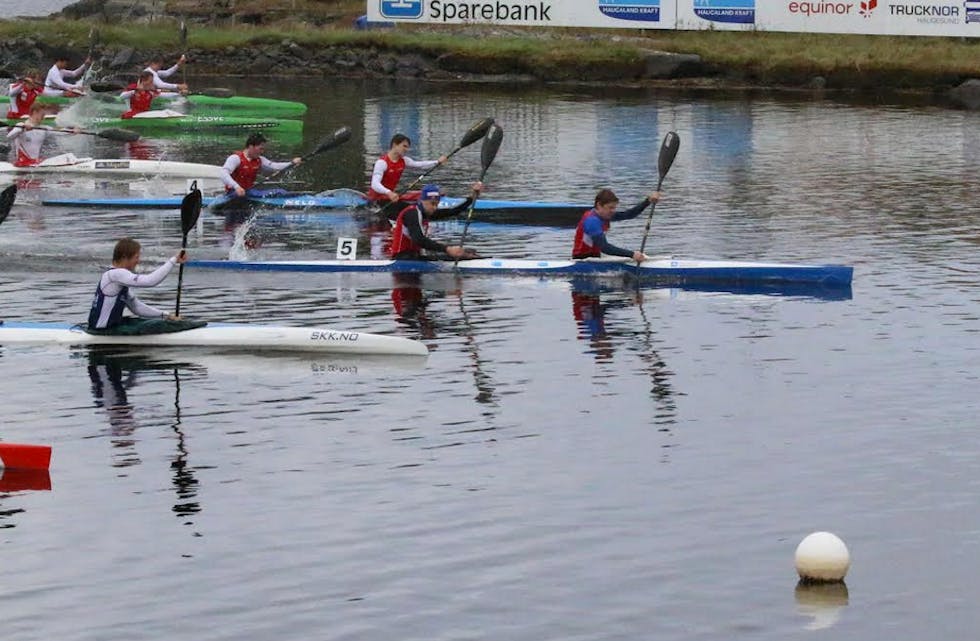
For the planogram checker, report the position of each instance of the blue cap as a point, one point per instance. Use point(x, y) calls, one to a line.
point(430, 191)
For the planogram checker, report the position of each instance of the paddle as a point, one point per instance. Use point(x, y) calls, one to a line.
point(474, 133)
point(337, 138)
point(112, 133)
point(112, 86)
point(7, 197)
point(668, 150)
point(190, 210)
point(491, 143)
point(183, 46)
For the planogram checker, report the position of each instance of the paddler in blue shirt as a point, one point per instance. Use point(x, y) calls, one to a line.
point(590, 235)
point(410, 236)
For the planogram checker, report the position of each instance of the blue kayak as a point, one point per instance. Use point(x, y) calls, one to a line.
point(345, 199)
point(661, 270)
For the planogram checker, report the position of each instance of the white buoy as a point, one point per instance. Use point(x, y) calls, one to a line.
point(822, 557)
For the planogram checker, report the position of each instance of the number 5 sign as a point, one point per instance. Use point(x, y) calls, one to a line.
point(346, 248)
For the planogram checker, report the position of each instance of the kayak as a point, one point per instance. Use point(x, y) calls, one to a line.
point(24, 457)
point(247, 106)
point(165, 120)
point(662, 270)
point(70, 164)
point(348, 199)
point(248, 338)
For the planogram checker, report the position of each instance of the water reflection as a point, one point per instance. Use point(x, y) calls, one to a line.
point(13, 481)
point(411, 305)
point(591, 300)
point(823, 603)
point(112, 373)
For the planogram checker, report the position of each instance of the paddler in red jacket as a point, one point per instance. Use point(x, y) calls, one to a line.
point(389, 167)
point(140, 95)
point(23, 92)
point(243, 167)
point(410, 235)
point(590, 235)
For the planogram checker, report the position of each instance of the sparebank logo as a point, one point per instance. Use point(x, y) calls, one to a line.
point(645, 10)
point(401, 8)
point(732, 11)
point(868, 7)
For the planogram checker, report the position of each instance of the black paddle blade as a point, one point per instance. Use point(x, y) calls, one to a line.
point(120, 135)
point(216, 92)
point(190, 210)
point(491, 143)
point(668, 150)
point(7, 197)
point(183, 33)
point(477, 131)
point(338, 137)
point(106, 86)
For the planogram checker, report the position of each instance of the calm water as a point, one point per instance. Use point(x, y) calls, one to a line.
point(570, 462)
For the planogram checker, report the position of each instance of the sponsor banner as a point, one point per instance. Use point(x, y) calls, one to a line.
point(958, 18)
point(884, 17)
point(716, 14)
point(627, 14)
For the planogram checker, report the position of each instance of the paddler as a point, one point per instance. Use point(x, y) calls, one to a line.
point(243, 167)
point(140, 95)
point(23, 92)
point(54, 83)
point(409, 237)
point(590, 235)
point(389, 167)
point(28, 136)
point(153, 66)
point(113, 295)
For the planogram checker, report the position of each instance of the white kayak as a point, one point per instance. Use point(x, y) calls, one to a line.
point(223, 335)
point(70, 164)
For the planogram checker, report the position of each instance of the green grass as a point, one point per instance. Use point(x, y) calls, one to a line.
point(573, 53)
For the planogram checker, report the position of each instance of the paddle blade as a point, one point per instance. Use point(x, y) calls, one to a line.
point(120, 135)
point(490, 146)
point(477, 131)
point(337, 138)
point(7, 197)
point(183, 34)
point(106, 86)
point(190, 210)
point(216, 92)
point(668, 151)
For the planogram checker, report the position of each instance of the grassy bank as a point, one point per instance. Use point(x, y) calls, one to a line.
point(753, 57)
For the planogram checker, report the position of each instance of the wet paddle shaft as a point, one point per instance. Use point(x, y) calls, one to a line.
point(190, 210)
point(668, 150)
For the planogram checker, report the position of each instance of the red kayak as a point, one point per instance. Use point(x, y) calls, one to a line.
point(18, 456)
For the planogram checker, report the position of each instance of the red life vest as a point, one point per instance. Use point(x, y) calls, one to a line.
point(400, 240)
point(390, 178)
point(23, 160)
point(582, 247)
point(248, 170)
point(24, 100)
point(140, 102)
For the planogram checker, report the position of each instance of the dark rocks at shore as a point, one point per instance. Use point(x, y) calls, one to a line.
point(289, 58)
point(966, 95)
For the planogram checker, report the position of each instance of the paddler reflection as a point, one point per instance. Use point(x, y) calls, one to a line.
point(114, 372)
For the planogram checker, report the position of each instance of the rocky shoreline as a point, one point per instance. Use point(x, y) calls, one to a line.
point(289, 58)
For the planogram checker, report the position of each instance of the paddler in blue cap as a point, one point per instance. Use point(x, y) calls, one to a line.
point(409, 238)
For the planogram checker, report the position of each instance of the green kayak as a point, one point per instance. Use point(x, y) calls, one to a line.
point(244, 106)
point(190, 122)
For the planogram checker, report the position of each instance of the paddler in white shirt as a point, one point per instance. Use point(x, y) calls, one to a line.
point(28, 136)
point(55, 84)
point(153, 66)
point(242, 168)
point(389, 167)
